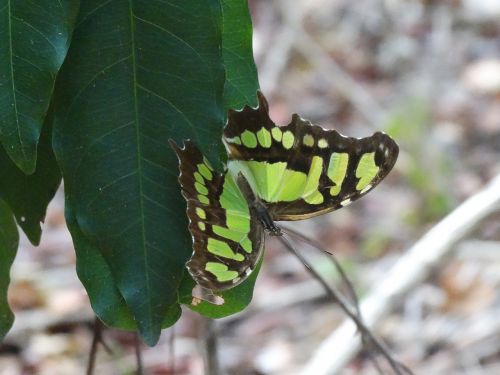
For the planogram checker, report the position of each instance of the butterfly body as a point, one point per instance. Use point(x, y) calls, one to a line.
point(273, 173)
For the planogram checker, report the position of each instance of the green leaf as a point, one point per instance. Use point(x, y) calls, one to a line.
point(29, 195)
point(235, 299)
point(172, 315)
point(34, 39)
point(95, 274)
point(240, 88)
point(9, 239)
point(137, 74)
point(241, 74)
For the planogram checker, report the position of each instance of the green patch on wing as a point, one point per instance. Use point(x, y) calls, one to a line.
point(366, 171)
point(235, 299)
point(337, 169)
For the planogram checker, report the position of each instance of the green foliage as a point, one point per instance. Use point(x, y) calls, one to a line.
point(34, 39)
point(9, 239)
point(29, 195)
point(135, 74)
point(241, 76)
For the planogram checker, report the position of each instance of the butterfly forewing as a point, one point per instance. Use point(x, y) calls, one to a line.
point(302, 170)
point(227, 239)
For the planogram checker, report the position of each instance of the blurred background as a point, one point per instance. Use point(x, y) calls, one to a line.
point(427, 73)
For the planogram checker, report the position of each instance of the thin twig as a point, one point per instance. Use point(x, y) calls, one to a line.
point(397, 367)
point(171, 346)
point(210, 347)
point(96, 339)
point(430, 251)
point(105, 345)
point(138, 354)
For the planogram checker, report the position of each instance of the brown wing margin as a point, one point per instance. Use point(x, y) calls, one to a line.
point(201, 227)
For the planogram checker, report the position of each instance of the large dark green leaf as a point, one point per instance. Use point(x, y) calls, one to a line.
point(9, 239)
point(137, 74)
point(240, 88)
point(34, 39)
point(94, 273)
point(29, 195)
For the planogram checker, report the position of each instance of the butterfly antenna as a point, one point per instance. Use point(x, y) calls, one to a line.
point(346, 281)
point(353, 314)
point(338, 267)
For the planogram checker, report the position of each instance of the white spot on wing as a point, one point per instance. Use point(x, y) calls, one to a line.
point(346, 202)
point(368, 187)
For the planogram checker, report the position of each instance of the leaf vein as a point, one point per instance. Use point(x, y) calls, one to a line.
point(92, 12)
point(38, 31)
point(171, 105)
point(171, 34)
point(85, 86)
point(14, 98)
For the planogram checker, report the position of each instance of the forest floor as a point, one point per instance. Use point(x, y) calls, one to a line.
point(427, 73)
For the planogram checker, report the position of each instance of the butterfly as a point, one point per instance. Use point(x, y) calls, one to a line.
point(273, 173)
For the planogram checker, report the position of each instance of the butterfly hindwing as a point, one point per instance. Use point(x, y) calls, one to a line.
point(227, 239)
point(302, 170)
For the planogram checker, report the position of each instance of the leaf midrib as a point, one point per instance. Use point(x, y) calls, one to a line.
point(139, 159)
point(13, 85)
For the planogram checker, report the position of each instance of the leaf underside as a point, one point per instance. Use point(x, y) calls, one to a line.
point(34, 39)
point(137, 74)
point(29, 195)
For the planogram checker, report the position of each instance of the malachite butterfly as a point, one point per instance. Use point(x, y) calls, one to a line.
point(273, 173)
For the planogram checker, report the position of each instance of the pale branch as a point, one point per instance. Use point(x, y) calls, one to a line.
point(414, 267)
